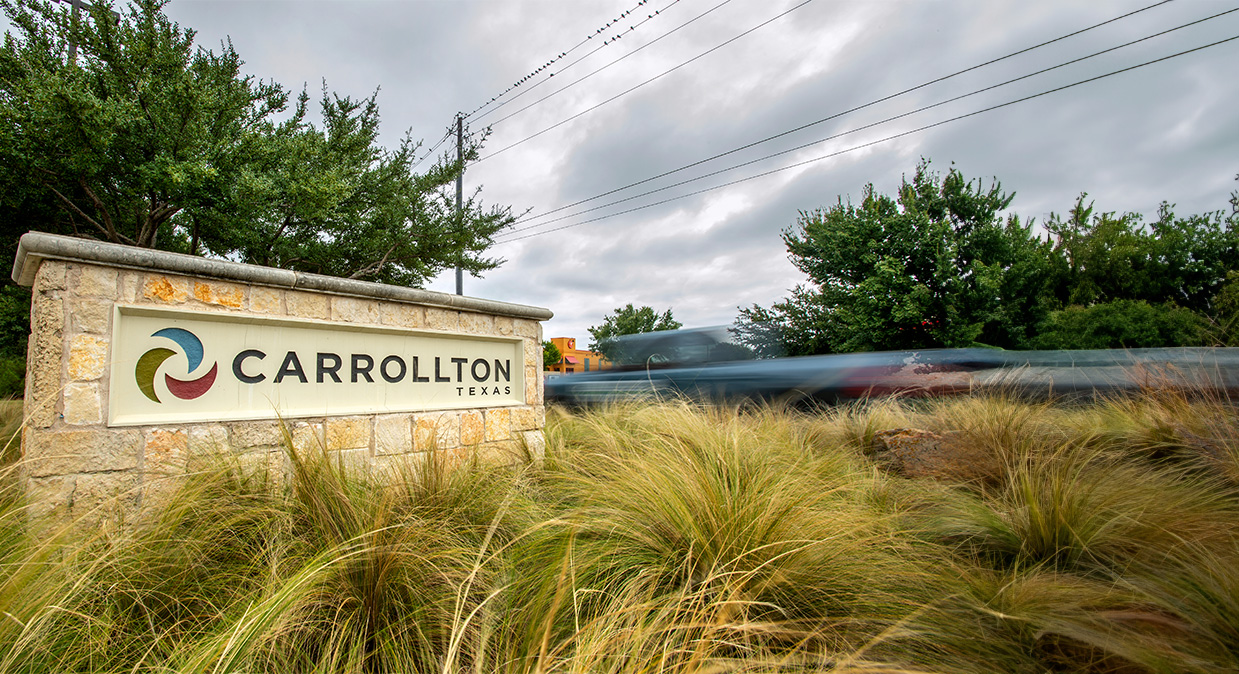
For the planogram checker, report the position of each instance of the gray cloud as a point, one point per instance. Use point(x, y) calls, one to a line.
point(1165, 132)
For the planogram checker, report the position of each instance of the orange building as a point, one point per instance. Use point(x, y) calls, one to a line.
point(577, 360)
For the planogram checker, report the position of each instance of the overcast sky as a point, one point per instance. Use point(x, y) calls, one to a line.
point(1168, 131)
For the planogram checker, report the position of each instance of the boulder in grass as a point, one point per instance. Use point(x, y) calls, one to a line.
point(911, 452)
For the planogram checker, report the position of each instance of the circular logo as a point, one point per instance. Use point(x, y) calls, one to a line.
point(149, 363)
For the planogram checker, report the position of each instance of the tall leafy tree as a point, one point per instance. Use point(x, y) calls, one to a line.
point(146, 139)
point(1130, 284)
point(628, 320)
point(551, 355)
point(938, 265)
point(1112, 257)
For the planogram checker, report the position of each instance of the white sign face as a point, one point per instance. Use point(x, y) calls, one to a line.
point(176, 367)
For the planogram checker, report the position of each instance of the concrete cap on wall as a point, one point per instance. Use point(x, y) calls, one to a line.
point(35, 247)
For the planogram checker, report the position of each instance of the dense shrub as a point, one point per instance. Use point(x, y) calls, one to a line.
point(12, 377)
point(1122, 324)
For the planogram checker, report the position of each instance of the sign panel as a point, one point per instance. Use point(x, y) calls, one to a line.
point(177, 367)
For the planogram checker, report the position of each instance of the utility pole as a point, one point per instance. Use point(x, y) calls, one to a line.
point(460, 186)
point(77, 11)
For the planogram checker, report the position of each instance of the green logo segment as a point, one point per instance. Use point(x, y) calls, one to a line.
point(148, 367)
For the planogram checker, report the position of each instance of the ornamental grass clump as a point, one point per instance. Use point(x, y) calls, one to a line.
point(1196, 430)
point(669, 537)
point(327, 569)
point(98, 600)
point(696, 536)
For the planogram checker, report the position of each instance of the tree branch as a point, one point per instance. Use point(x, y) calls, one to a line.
point(145, 230)
point(74, 208)
point(288, 219)
point(103, 211)
point(376, 267)
point(163, 214)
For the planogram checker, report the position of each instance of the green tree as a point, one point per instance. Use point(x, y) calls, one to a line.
point(936, 266)
point(147, 140)
point(14, 331)
point(628, 320)
point(1123, 324)
point(550, 354)
point(1111, 257)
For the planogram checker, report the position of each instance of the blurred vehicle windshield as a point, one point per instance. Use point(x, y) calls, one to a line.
point(676, 348)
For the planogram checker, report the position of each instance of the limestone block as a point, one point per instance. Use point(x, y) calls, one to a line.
point(81, 503)
point(92, 281)
point(477, 324)
point(501, 453)
point(104, 494)
point(158, 491)
point(354, 310)
point(348, 433)
point(352, 461)
point(268, 449)
point(442, 319)
point(533, 387)
point(131, 283)
point(524, 418)
point(533, 353)
point(249, 434)
point(88, 357)
point(208, 439)
point(307, 305)
point(92, 316)
point(81, 451)
point(494, 453)
point(47, 321)
point(535, 444)
point(498, 425)
point(219, 293)
point(266, 300)
point(307, 436)
point(472, 428)
point(393, 434)
point(165, 451)
point(51, 276)
point(402, 315)
point(165, 289)
point(83, 406)
point(527, 328)
point(274, 466)
point(50, 498)
point(436, 431)
point(504, 326)
point(397, 468)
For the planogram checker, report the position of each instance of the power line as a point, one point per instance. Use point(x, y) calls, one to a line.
point(851, 131)
point(565, 67)
point(845, 112)
point(551, 62)
point(656, 77)
point(595, 72)
point(431, 151)
point(881, 140)
point(449, 132)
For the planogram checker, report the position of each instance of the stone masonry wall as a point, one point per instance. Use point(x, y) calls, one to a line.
point(74, 463)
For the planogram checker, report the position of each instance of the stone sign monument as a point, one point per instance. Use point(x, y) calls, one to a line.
point(141, 359)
